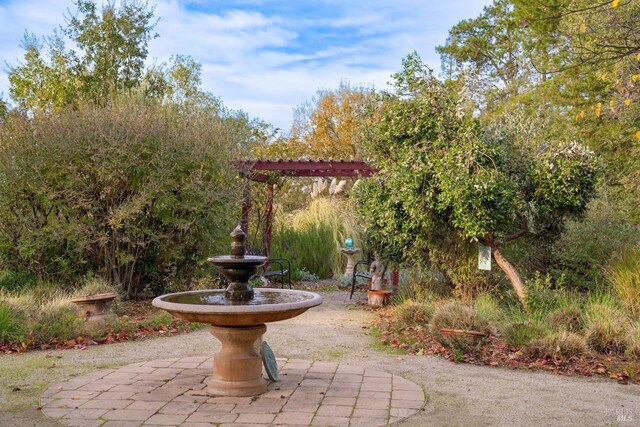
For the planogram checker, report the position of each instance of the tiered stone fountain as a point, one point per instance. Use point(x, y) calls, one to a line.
point(237, 317)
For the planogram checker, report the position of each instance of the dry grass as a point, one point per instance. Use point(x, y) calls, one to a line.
point(606, 328)
point(567, 344)
point(47, 312)
point(94, 285)
point(569, 318)
point(411, 312)
point(456, 315)
point(519, 334)
point(624, 275)
point(633, 340)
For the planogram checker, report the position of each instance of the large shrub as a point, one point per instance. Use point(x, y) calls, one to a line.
point(135, 191)
point(442, 177)
point(604, 237)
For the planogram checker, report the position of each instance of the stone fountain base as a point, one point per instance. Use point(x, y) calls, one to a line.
point(237, 367)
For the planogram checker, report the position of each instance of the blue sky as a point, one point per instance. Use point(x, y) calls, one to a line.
point(266, 57)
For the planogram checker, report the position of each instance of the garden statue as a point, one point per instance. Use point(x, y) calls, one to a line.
point(377, 270)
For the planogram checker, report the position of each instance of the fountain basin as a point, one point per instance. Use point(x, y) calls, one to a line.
point(239, 326)
point(210, 306)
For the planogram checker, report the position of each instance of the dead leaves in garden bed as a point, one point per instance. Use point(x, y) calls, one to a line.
point(417, 340)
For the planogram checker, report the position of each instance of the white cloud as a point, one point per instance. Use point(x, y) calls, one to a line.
point(258, 61)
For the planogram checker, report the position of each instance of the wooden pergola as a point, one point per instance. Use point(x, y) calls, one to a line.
point(268, 171)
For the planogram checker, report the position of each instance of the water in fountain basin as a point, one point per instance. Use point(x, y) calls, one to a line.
point(216, 297)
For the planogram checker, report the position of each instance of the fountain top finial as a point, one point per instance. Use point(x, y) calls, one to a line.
point(238, 238)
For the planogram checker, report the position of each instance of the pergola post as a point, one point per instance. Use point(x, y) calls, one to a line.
point(268, 222)
point(246, 208)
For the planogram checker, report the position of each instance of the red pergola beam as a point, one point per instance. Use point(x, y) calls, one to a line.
point(326, 173)
point(297, 165)
point(307, 168)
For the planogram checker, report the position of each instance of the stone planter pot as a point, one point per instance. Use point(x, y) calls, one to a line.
point(94, 308)
point(472, 337)
point(378, 298)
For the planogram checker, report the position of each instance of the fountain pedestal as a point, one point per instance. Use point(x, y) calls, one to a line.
point(237, 317)
point(237, 368)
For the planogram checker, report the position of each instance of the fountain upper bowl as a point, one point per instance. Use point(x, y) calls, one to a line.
point(238, 262)
point(210, 306)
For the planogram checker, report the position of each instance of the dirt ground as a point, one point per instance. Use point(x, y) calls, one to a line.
point(337, 331)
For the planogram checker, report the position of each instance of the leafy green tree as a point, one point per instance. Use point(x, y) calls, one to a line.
point(587, 32)
point(178, 81)
point(112, 45)
point(489, 51)
point(327, 127)
point(442, 178)
point(41, 84)
point(593, 53)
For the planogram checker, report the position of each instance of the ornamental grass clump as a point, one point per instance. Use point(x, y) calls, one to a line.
point(567, 344)
point(413, 312)
point(520, 334)
point(488, 308)
point(569, 317)
point(456, 315)
point(633, 340)
point(13, 323)
point(563, 344)
point(538, 347)
point(57, 320)
point(311, 238)
point(606, 329)
point(624, 276)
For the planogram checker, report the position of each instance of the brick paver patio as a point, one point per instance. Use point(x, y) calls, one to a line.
point(172, 392)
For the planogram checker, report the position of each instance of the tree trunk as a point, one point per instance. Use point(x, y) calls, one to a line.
point(447, 279)
point(511, 272)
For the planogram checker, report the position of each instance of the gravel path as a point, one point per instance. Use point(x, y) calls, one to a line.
point(458, 395)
